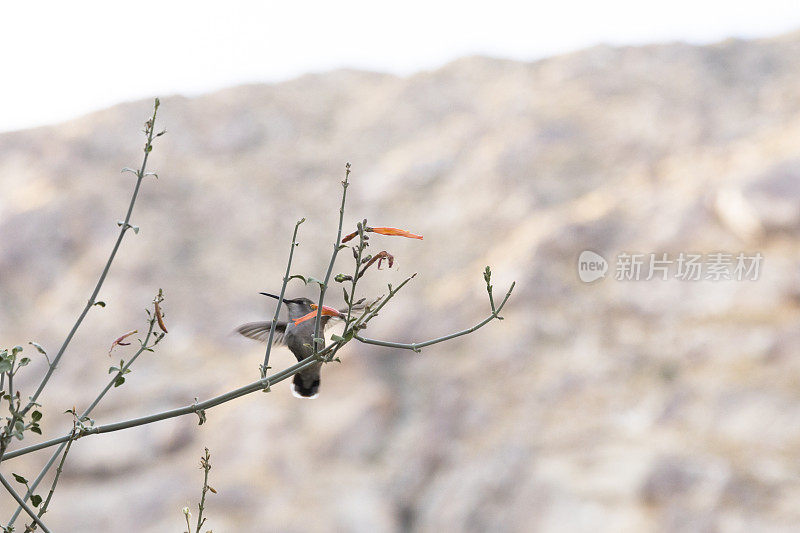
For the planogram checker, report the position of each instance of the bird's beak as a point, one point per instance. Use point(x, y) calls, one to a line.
point(270, 295)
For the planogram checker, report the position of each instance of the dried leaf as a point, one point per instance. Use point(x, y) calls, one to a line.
point(379, 257)
point(119, 342)
point(160, 317)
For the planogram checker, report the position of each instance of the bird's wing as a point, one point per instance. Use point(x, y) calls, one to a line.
point(259, 331)
point(357, 307)
point(334, 320)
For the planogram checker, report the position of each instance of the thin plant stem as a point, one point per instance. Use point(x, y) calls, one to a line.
point(336, 247)
point(368, 315)
point(24, 505)
point(83, 415)
point(356, 275)
point(416, 346)
point(265, 366)
point(205, 464)
point(199, 407)
point(351, 297)
point(43, 508)
point(172, 413)
point(5, 435)
point(140, 174)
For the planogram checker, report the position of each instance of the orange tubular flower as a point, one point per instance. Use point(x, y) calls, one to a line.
point(396, 232)
point(329, 311)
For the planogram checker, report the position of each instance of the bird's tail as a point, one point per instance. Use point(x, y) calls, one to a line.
point(306, 383)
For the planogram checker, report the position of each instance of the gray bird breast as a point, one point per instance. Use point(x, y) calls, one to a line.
point(299, 337)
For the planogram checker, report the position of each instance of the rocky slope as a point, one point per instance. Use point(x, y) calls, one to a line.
point(620, 405)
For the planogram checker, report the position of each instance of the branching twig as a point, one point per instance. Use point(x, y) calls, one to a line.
point(144, 347)
point(336, 247)
point(277, 377)
point(417, 346)
point(22, 504)
point(124, 226)
point(357, 255)
point(370, 313)
point(192, 408)
point(352, 327)
point(43, 508)
point(205, 464)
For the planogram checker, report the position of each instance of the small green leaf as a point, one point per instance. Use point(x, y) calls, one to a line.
point(36, 416)
point(301, 278)
point(336, 338)
point(24, 361)
point(36, 429)
point(119, 381)
point(5, 365)
point(36, 500)
point(20, 479)
point(15, 350)
point(38, 347)
point(315, 280)
point(100, 304)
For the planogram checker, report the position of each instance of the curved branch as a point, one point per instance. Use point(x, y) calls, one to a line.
point(417, 346)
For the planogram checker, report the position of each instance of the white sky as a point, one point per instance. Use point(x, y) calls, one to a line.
point(62, 59)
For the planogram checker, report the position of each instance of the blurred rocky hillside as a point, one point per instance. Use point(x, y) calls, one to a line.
point(613, 406)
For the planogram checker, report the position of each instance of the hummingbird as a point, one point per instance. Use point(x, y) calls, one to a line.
point(297, 334)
